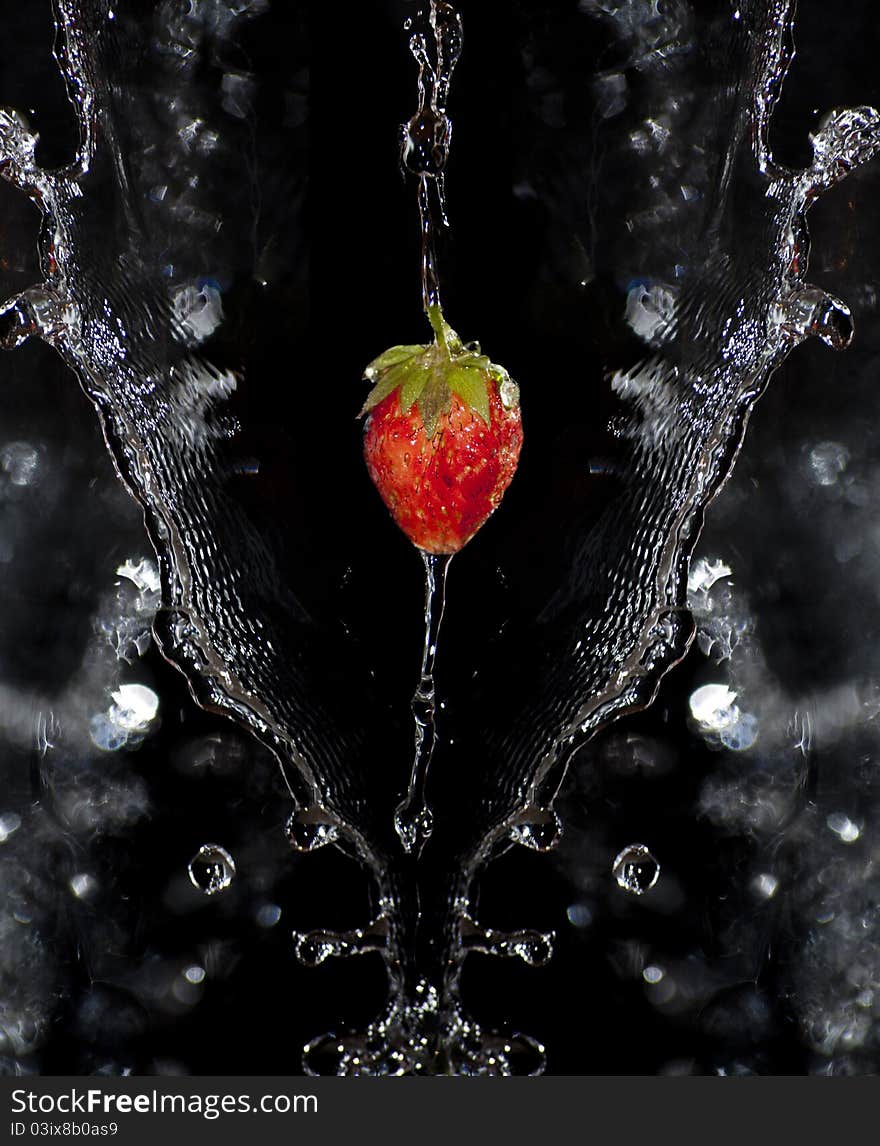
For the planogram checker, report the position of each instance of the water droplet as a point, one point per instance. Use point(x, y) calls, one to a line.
point(413, 823)
point(323, 1056)
point(211, 869)
point(539, 830)
point(635, 869)
point(308, 829)
point(535, 949)
point(811, 311)
point(426, 141)
point(524, 1057)
point(508, 391)
point(314, 948)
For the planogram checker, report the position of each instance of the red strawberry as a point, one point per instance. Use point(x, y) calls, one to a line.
point(443, 438)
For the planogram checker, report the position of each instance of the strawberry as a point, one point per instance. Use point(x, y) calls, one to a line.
point(443, 437)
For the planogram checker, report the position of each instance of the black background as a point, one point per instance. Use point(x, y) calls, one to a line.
point(511, 276)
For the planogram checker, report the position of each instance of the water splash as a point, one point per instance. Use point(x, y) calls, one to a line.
point(231, 617)
point(535, 948)
point(314, 947)
point(424, 1037)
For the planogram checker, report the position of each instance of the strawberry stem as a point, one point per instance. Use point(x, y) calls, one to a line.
point(444, 336)
point(439, 325)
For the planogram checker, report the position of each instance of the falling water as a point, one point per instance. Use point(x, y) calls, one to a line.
point(425, 142)
point(425, 139)
point(236, 623)
point(412, 818)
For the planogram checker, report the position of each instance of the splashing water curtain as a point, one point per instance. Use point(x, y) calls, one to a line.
point(234, 623)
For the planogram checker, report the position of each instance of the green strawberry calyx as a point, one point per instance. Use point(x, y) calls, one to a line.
point(427, 376)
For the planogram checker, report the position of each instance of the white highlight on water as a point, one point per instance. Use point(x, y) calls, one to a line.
point(134, 707)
